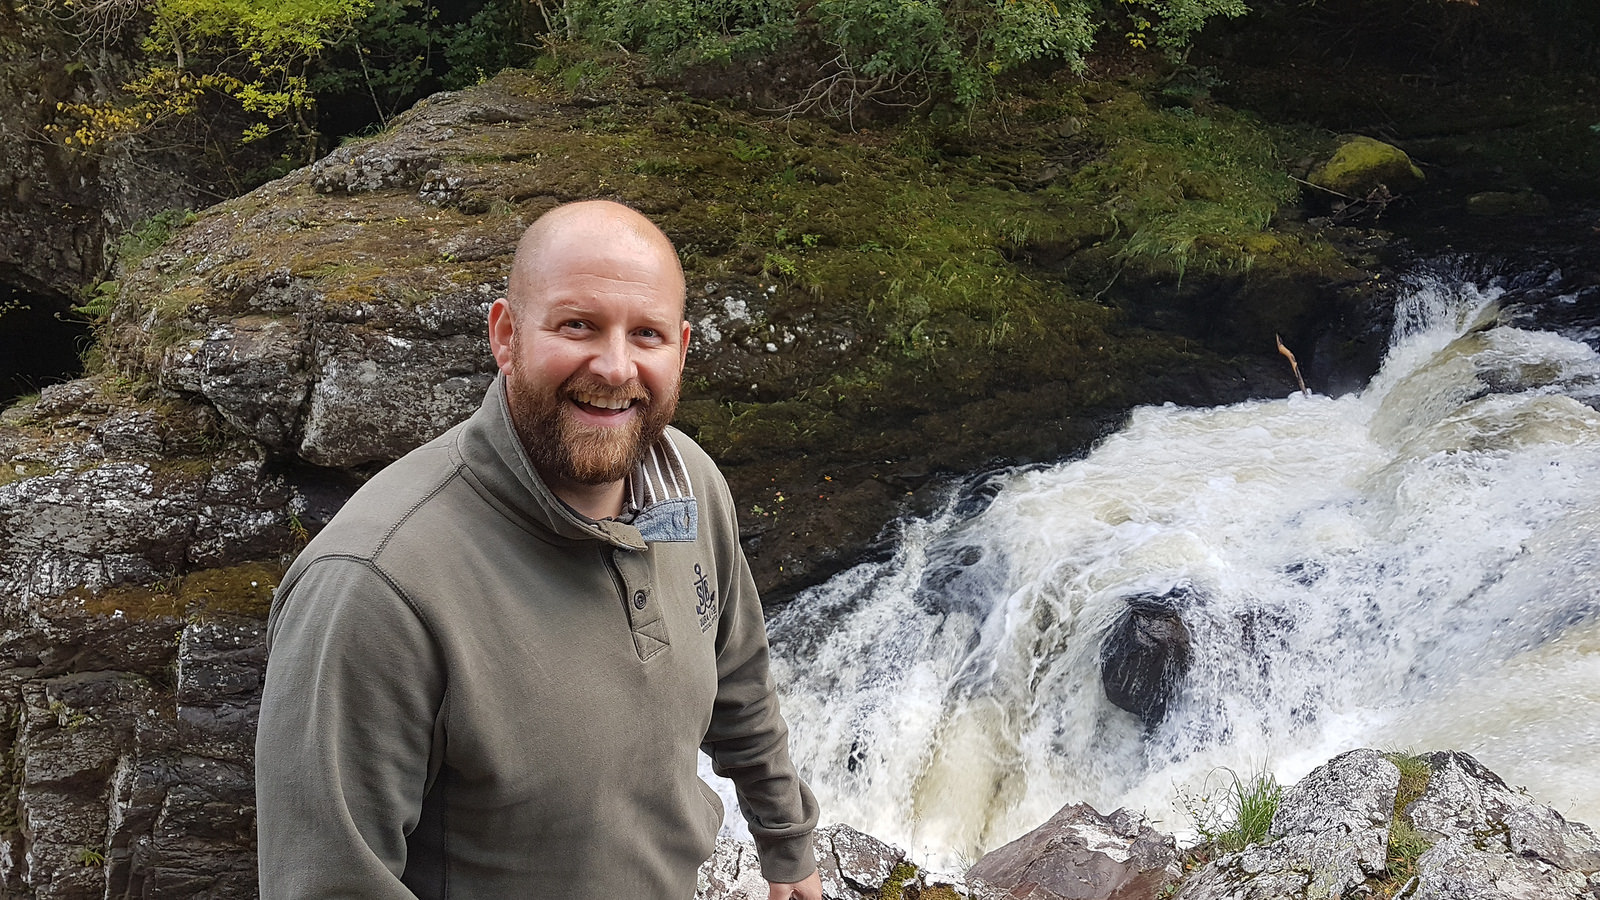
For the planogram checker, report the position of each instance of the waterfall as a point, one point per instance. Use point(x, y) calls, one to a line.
point(1414, 567)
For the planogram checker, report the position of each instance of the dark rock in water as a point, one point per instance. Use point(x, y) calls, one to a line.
point(1145, 655)
point(1508, 203)
point(1082, 855)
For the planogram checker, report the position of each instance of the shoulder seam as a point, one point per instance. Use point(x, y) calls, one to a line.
point(406, 516)
point(371, 564)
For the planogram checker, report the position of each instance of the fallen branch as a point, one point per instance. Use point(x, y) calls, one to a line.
point(1294, 366)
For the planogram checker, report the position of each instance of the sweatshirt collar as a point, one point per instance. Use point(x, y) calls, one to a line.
point(659, 504)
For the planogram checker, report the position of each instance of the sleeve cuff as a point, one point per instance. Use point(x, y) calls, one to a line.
point(786, 860)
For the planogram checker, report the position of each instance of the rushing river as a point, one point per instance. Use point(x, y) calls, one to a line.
point(1413, 567)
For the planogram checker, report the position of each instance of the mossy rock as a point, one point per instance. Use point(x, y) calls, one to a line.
point(1508, 203)
point(1362, 164)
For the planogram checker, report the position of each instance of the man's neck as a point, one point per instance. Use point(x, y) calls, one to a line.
point(597, 501)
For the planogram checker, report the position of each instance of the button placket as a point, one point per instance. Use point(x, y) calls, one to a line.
point(643, 608)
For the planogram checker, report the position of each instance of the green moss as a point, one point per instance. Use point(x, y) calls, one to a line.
point(894, 886)
point(1361, 163)
point(244, 589)
point(237, 590)
point(138, 602)
point(15, 470)
point(1406, 843)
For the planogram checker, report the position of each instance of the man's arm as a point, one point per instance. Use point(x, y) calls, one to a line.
point(353, 690)
point(748, 740)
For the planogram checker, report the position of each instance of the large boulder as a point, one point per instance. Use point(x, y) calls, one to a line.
point(138, 553)
point(1080, 855)
point(1466, 836)
point(1494, 842)
point(1144, 655)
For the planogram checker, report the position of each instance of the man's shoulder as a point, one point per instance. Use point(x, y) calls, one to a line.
point(388, 501)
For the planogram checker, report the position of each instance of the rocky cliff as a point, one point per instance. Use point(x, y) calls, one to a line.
point(851, 345)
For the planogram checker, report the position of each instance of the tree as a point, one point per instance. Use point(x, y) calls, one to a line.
point(254, 53)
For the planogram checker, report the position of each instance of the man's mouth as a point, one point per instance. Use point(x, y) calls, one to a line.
point(603, 405)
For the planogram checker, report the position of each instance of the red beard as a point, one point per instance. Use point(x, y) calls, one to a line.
point(564, 449)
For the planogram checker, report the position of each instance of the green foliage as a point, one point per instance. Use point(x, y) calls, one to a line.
point(132, 247)
point(1170, 24)
point(1184, 188)
point(924, 50)
point(257, 53)
point(146, 236)
point(906, 52)
point(1240, 816)
point(679, 32)
point(10, 303)
point(495, 37)
point(384, 57)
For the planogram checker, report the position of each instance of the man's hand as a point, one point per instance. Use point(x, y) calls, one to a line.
point(809, 889)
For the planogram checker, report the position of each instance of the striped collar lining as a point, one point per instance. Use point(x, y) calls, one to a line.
point(660, 476)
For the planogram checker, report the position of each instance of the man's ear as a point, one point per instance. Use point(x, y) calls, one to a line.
point(683, 346)
point(501, 330)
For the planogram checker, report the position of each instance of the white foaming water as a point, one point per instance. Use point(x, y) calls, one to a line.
point(1416, 566)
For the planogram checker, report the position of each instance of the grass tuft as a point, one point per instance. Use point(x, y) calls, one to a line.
point(1239, 817)
point(1406, 843)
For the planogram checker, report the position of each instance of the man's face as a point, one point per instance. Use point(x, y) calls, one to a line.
point(596, 355)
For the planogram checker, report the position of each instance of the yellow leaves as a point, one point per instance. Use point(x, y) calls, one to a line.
point(252, 52)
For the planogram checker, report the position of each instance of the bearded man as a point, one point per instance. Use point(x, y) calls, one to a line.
point(489, 676)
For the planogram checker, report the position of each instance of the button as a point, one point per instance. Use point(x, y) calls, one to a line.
point(638, 599)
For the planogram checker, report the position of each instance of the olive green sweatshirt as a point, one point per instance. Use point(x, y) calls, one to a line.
point(474, 692)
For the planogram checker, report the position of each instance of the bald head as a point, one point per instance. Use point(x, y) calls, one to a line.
point(590, 233)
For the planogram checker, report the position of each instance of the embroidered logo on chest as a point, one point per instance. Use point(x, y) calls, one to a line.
point(706, 608)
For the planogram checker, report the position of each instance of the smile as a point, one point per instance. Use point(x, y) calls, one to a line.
point(611, 404)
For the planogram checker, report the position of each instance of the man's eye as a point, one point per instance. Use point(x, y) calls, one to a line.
point(649, 333)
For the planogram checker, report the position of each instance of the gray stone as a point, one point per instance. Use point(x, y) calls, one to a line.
point(1493, 841)
point(850, 864)
point(732, 873)
point(1458, 869)
point(853, 865)
point(1329, 835)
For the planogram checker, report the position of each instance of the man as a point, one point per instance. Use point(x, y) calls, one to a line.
point(490, 674)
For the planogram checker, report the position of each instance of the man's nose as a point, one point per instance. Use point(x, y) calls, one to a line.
point(613, 361)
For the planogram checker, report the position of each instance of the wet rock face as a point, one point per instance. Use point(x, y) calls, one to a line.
point(61, 206)
point(341, 392)
point(135, 577)
point(1080, 855)
point(1144, 655)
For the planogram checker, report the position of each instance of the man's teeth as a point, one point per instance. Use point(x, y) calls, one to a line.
point(603, 402)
